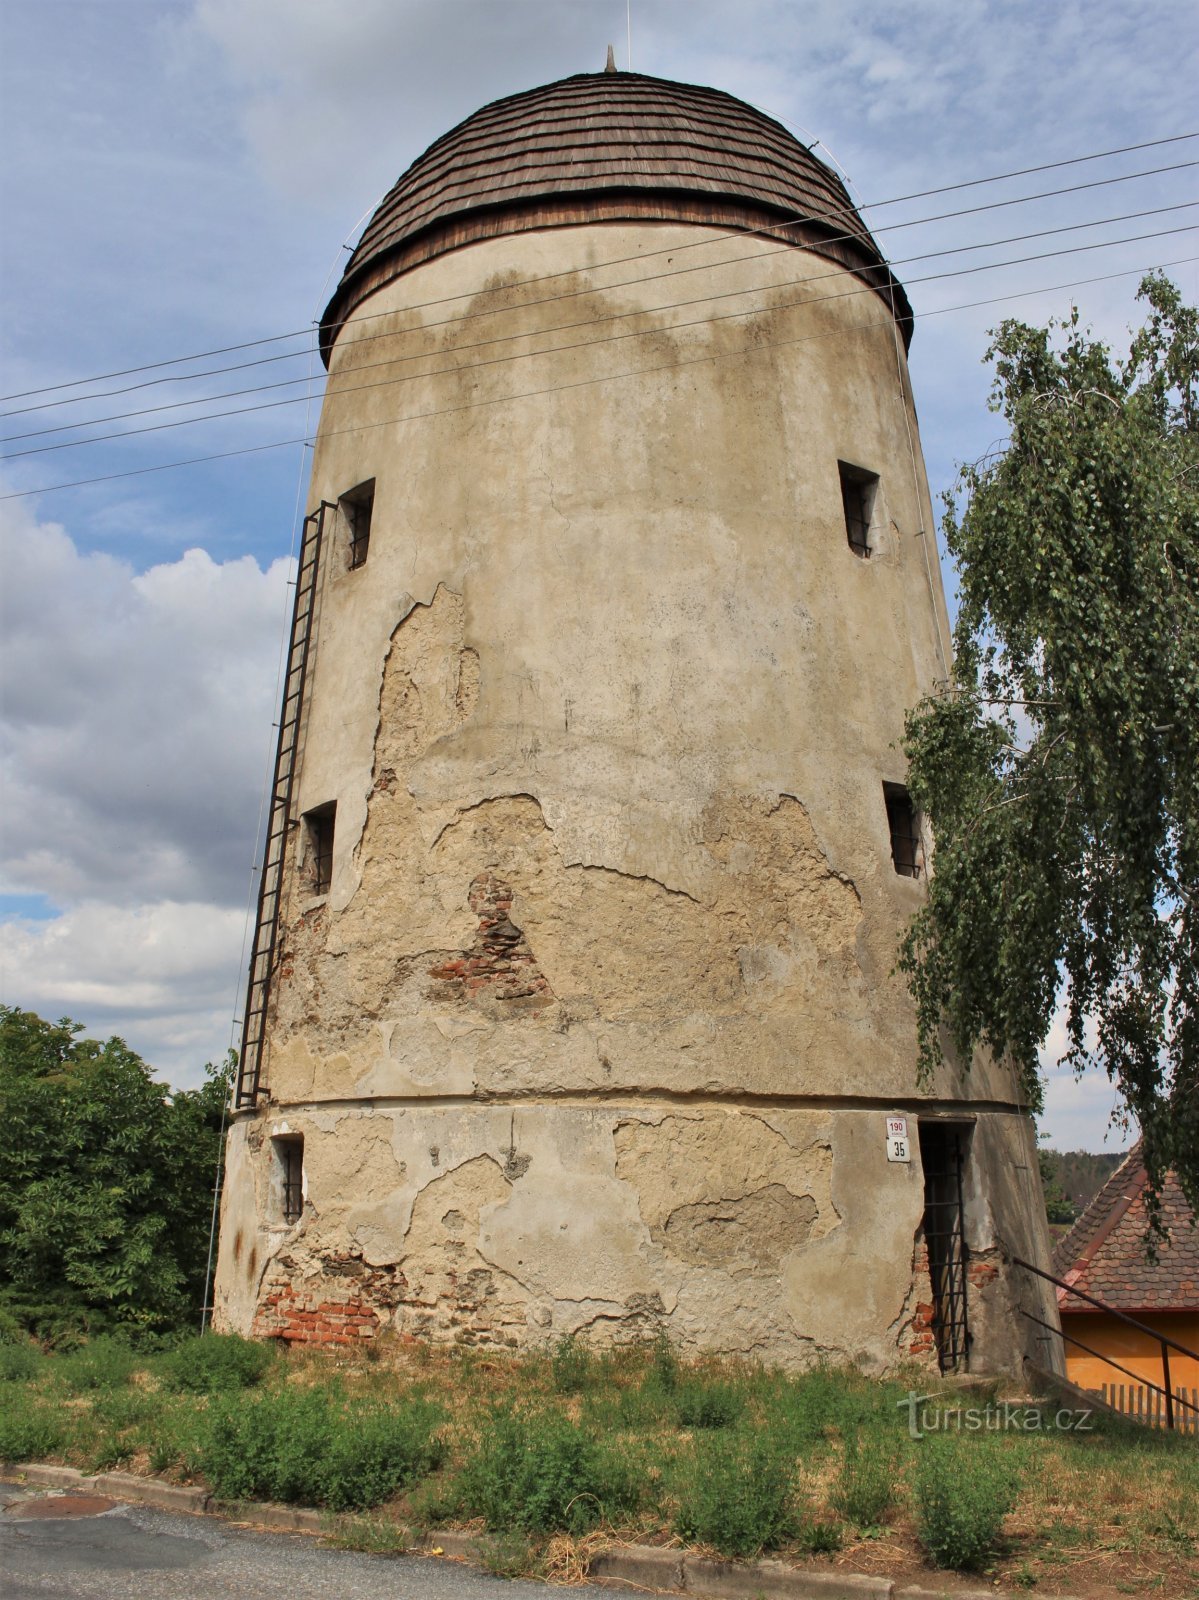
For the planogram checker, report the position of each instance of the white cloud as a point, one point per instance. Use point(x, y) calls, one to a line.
point(1080, 1113)
point(165, 977)
point(137, 717)
point(136, 740)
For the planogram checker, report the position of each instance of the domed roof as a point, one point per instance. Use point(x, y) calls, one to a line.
point(608, 146)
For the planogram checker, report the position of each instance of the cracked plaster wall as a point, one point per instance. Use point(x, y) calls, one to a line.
point(606, 716)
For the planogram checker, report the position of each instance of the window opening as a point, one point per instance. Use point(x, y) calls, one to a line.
point(857, 497)
point(943, 1156)
point(904, 822)
point(357, 508)
point(318, 848)
point(289, 1159)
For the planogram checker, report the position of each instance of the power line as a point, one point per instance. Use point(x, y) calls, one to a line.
point(1025, 172)
point(280, 444)
point(272, 405)
point(872, 205)
point(309, 378)
point(669, 250)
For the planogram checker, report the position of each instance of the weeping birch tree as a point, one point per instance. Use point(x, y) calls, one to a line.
point(1059, 768)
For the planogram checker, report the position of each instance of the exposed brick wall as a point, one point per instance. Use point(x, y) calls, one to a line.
point(499, 964)
point(921, 1343)
point(325, 1309)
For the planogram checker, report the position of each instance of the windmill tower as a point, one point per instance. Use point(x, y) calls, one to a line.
point(572, 1006)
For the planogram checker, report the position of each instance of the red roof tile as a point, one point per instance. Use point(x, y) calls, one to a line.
point(1104, 1254)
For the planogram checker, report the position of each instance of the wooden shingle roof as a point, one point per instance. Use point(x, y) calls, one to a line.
point(1104, 1252)
point(610, 146)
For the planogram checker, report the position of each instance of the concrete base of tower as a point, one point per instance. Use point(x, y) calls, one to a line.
point(786, 1233)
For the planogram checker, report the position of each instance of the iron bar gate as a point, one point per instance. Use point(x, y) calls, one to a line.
point(270, 886)
point(942, 1151)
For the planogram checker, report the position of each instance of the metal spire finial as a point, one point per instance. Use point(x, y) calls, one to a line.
point(611, 67)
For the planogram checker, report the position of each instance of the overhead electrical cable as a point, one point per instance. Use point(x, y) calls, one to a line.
point(720, 237)
point(872, 205)
point(586, 344)
point(748, 350)
point(285, 383)
point(1025, 172)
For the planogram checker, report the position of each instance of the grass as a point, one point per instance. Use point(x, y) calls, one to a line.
point(544, 1457)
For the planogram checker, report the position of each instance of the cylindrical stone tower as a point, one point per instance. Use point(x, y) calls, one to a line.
point(573, 1005)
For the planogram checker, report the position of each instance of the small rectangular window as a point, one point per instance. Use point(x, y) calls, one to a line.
point(317, 865)
point(357, 507)
point(904, 823)
point(289, 1174)
point(858, 489)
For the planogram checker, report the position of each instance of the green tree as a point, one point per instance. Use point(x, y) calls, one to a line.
point(1060, 766)
point(1058, 1205)
point(106, 1182)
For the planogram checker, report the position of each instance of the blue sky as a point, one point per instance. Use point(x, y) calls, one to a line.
point(185, 176)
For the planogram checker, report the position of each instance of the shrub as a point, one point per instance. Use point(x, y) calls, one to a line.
point(102, 1363)
point(735, 1494)
point(864, 1491)
point(539, 1472)
point(309, 1447)
point(214, 1363)
point(963, 1493)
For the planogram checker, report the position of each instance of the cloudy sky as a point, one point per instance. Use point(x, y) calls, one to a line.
point(182, 176)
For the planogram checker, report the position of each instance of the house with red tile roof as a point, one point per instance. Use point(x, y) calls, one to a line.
point(1105, 1256)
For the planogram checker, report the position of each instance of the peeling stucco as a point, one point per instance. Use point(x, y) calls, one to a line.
point(594, 1028)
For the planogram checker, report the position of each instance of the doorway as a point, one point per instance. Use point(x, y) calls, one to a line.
point(943, 1151)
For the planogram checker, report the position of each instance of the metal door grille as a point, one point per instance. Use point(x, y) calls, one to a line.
point(270, 886)
point(943, 1153)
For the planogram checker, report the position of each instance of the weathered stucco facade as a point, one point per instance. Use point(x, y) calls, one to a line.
point(591, 1024)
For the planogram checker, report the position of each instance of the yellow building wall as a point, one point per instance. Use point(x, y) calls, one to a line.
point(1136, 1351)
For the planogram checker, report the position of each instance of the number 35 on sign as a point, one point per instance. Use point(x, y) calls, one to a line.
point(898, 1148)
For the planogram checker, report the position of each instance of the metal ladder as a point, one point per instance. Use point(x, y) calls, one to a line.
point(270, 886)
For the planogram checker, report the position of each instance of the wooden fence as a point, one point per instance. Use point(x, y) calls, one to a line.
point(1149, 1405)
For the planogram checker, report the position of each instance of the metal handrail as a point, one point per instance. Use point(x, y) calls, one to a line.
point(1167, 1344)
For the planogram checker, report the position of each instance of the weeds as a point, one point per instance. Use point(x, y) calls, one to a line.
point(310, 1447)
point(736, 1494)
point(30, 1429)
point(571, 1365)
point(215, 1363)
point(102, 1363)
point(543, 1450)
point(864, 1491)
point(962, 1497)
point(19, 1362)
point(374, 1536)
point(700, 1404)
point(509, 1555)
point(536, 1471)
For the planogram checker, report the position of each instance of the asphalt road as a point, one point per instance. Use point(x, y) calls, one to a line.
point(123, 1552)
